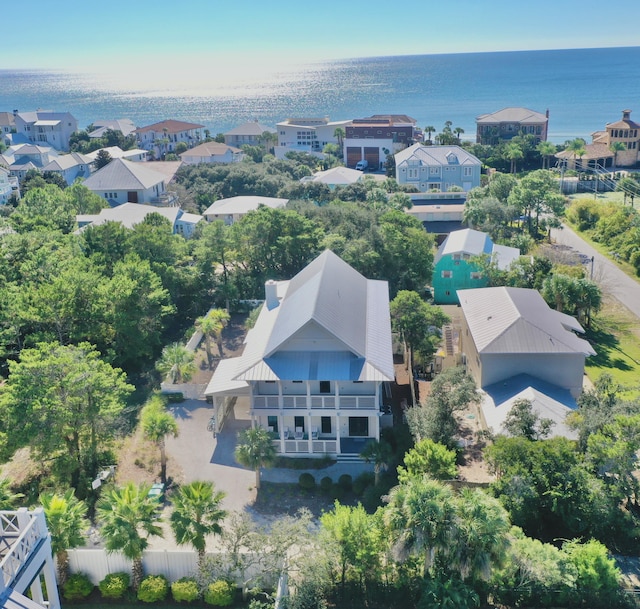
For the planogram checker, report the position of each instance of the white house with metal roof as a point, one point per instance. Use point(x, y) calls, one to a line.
point(511, 331)
point(314, 364)
point(130, 214)
point(437, 168)
point(247, 134)
point(336, 176)
point(232, 209)
point(123, 125)
point(70, 166)
point(124, 181)
point(212, 152)
point(8, 185)
point(115, 152)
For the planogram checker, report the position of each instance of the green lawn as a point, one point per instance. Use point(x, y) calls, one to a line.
point(615, 335)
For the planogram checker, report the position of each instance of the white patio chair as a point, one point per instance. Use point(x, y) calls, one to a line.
point(299, 433)
point(314, 433)
point(286, 433)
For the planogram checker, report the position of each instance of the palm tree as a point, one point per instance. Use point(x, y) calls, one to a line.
point(196, 514)
point(268, 139)
point(66, 521)
point(339, 134)
point(128, 518)
point(577, 147)
point(255, 449)
point(211, 326)
point(616, 147)
point(429, 129)
point(559, 290)
point(176, 362)
point(480, 538)
point(458, 131)
point(157, 424)
point(546, 150)
point(378, 453)
point(8, 499)
point(420, 515)
point(513, 153)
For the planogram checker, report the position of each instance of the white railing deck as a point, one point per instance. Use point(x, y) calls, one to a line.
point(18, 539)
point(315, 402)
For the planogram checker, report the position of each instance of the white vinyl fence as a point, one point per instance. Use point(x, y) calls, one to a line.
point(173, 564)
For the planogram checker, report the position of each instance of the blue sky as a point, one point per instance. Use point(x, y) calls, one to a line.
point(71, 34)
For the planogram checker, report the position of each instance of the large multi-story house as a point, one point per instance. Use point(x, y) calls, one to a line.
point(602, 152)
point(44, 127)
point(455, 268)
point(7, 123)
point(373, 138)
point(70, 166)
point(129, 182)
point(437, 168)
point(505, 124)
point(21, 158)
point(307, 135)
point(123, 125)
point(247, 134)
point(314, 364)
point(163, 137)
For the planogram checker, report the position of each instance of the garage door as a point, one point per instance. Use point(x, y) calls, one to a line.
point(372, 155)
point(353, 156)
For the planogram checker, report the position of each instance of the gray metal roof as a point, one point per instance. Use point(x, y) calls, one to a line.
point(347, 313)
point(436, 155)
point(130, 214)
point(124, 175)
point(475, 243)
point(250, 128)
point(518, 320)
point(242, 205)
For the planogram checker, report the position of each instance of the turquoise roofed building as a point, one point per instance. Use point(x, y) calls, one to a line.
point(455, 267)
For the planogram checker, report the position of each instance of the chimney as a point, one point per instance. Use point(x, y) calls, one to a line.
point(271, 294)
point(626, 115)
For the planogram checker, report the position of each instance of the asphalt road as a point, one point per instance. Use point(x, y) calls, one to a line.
point(605, 273)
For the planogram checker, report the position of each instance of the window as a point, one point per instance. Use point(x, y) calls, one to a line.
point(298, 422)
point(359, 426)
point(325, 425)
point(434, 171)
point(297, 381)
point(447, 274)
point(456, 256)
point(325, 386)
point(357, 382)
point(270, 382)
point(467, 171)
point(412, 174)
point(475, 275)
point(273, 423)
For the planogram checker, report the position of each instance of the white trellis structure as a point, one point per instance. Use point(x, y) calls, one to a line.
point(26, 562)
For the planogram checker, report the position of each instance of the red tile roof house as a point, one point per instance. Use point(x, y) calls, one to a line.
point(163, 137)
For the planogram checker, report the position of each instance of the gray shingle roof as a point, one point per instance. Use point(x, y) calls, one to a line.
point(513, 115)
point(436, 155)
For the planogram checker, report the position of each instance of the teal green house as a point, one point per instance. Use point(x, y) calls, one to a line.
point(453, 266)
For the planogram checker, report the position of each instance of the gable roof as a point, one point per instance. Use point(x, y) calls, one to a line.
point(115, 152)
point(339, 304)
point(130, 214)
point(518, 320)
point(436, 155)
point(124, 125)
point(171, 126)
point(513, 115)
point(210, 149)
point(124, 175)
point(475, 243)
point(336, 175)
point(242, 205)
point(66, 161)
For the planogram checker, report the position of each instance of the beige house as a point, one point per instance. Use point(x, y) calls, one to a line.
point(511, 331)
point(212, 152)
point(505, 124)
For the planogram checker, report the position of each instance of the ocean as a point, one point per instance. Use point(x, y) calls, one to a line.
point(583, 89)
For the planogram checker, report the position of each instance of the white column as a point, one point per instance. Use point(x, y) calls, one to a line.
point(36, 591)
point(338, 450)
point(280, 402)
point(309, 440)
point(281, 431)
point(308, 395)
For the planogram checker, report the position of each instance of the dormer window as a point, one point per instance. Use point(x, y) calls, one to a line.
point(452, 159)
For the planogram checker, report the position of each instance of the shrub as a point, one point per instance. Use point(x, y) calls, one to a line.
point(77, 587)
point(362, 482)
point(185, 590)
point(338, 492)
point(114, 585)
point(153, 588)
point(325, 485)
point(306, 481)
point(220, 593)
point(345, 482)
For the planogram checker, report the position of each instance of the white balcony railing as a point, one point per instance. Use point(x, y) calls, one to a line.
point(315, 402)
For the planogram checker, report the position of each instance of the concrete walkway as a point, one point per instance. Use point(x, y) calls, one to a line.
point(605, 273)
point(202, 457)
